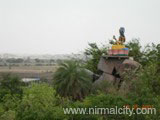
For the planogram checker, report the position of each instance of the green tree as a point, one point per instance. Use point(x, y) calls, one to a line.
point(10, 84)
point(9, 107)
point(143, 89)
point(71, 80)
point(94, 53)
point(40, 102)
point(135, 49)
point(151, 53)
point(101, 100)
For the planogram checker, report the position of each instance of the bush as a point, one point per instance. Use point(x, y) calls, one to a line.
point(94, 52)
point(39, 103)
point(10, 84)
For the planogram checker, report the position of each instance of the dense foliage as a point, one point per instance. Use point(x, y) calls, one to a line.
point(94, 52)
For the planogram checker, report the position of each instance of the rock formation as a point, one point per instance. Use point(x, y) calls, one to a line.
point(113, 69)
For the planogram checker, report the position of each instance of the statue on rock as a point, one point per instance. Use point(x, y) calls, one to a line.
point(122, 38)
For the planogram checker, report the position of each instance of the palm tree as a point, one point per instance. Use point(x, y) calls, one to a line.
point(71, 80)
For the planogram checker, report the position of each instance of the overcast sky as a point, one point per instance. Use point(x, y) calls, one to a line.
point(66, 26)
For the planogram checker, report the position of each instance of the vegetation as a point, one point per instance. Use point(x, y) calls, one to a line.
point(71, 80)
point(72, 89)
point(10, 85)
point(94, 52)
point(39, 102)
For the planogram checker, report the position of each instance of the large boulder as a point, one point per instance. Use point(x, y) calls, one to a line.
point(115, 65)
point(108, 65)
point(104, 66)
point(113, 69)
point(131, 64)
point(106, 83)
point(106, 77)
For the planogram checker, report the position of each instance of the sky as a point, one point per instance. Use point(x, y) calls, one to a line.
point(67, 26)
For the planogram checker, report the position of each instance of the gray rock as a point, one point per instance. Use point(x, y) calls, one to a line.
point(131, 63)
point(113, 69)
point(105, 66)
point(105, 77)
